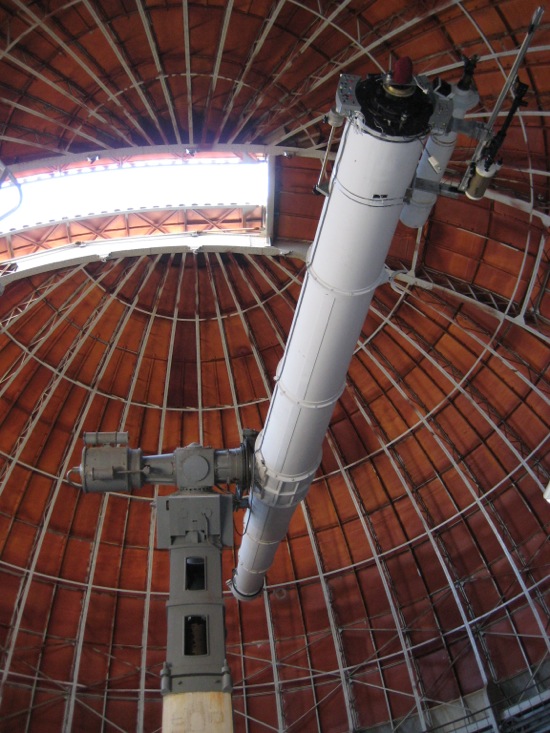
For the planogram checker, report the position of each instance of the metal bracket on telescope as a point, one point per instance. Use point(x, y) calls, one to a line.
point(108, 464)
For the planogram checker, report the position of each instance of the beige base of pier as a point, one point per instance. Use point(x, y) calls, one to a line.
point(197, 712)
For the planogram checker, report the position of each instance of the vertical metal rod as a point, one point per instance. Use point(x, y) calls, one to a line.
point(384, 574)
point(225, 347)
point(276, 681)
point(338, 648)
point(152, 522)
point(248, 331)
point(70, 703)
point(534, 276)
point(81, 631)
point(145, 19)
point(187, 52)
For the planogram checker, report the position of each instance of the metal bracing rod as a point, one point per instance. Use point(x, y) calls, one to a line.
point(187, 53)
point(142, 346)
point(521, 269)
point(37, 296)
point(534, 276)
point(281, 723)
point(37, 677)
point(33, 72)
point(392, 657)
point(413, 673)
point(260, 303)
point(493, 56)
point(198, 356)
point(415, 398)
point(340, 471)
point(432, 411)
point(457, 386)
point(113, 620)
point(281, 291)
point(45, 397)
point(56, 39)
point(337, 641)
point(57, 319)
point(514, 371)
point(26, 582)
point(435, 542)
point(322, 679)
point(53, 120)
point(267, 276)
point(153, 524)
point(488, 348)
point(117, 49)
point(255, 49)
point(54, 700)
point(217, 63)
point(282, 661)
point(437, 527)
point(281, 265)
point(295, 55)
point(225, 348)
point(426, 284)
point(412, 398)
point(468, 484)
point(246, 328)
point(306, 647)
point(144, 15)
point(81, 631)
point(283, 133)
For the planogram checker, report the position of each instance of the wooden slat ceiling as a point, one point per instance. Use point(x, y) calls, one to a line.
point(412, 589)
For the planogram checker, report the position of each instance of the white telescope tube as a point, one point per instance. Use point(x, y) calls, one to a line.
point(371, 175)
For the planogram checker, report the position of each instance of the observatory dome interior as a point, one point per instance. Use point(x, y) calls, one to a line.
point(412, 591)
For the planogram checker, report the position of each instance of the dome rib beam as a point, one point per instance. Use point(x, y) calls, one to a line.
point(70, 702)
point(117, 49)
point(281, 723)
point(347, 691)
point(413, 674)
point(467, 483)
point(162, 76)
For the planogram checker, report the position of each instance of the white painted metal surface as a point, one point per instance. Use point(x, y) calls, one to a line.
point(81, 253)
point(369, 181)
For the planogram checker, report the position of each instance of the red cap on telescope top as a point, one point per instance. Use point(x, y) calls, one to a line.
point(402, 72)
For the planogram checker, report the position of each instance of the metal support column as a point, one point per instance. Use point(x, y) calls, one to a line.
point(196, 682)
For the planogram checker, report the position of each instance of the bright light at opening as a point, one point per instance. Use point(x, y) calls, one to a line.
point(95, 191)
